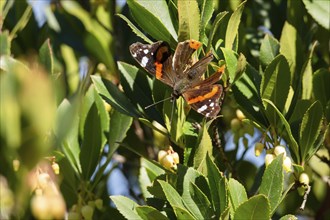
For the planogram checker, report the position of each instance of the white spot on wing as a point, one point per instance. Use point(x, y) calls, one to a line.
point(207, 114)
point(134, 54)
point(146, 51)
point(201, 109)
point(144, 61)
point(212, 104)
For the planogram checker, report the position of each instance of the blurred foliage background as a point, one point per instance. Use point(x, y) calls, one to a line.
point(73, 123)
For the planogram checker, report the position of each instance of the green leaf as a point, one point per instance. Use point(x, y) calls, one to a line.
point(149, 213)
point(275, 82)
point(293, 146)
point(135, 29)
point(201, 200)
point(299, 111)
point(206, 9)
point(321, 89)
point(237, 194)
point(114, 96)
point(172, 196)
point(92, 142)
point(126, 207)
point(203, 148)
point(214, 28)
point(269, 49)
point(119, 125)
point(182, 214)
point(289, 217)
point(257, 207)
point(137, 86)
point(46, 56)
point(188, 25)
point(307, 75)
point(67, 130)
point(218, 185)
point(231, 62)
point(291, 48)
point(232, 28)
point(320, 11)
point(154, 18)
point(272, 182)
point(5, 45)
point(310, 128)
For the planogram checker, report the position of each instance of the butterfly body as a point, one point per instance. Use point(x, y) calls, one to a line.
point(182, 74)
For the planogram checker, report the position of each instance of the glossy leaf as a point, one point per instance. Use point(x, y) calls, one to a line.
point(182, 214)
point(206, 10)
point(202, 201)
point(92, 142)
point(214, 28)
point(307, 75)
point(218, 185)
point(272, 182)
point(154, 18)
point(269, 49)
point(119, 125)
point(291, 48)
point(126, 207)
point(203, 148)
point(188, 25)
point(114, 96)
point(310, 128)
point(237, 194)
point(257, 207)
point(149, 213)
point(232, 28)
point(275, 82)
point(172, 195)
point(320, 11)
point(231, 62)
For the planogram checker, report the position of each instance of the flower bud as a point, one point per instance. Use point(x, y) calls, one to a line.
point(280, 150)
point(56, 168)
point(176, 158)
point(269, 158)
point(40, 207)
point(258, 148)
point(304, 179)
point(235, 124)
point(168, 161)
point(240, 115)
point(287, 164)
point(87, 212)
point(161, 155)
point(16, 165)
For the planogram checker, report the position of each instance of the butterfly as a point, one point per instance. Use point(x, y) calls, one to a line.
point(182, 74)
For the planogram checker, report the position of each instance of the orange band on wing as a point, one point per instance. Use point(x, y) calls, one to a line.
point(194, 44)
point(206, 96)
point(159, 70)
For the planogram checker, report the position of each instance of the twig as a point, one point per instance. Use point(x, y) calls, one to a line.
point(302, 207)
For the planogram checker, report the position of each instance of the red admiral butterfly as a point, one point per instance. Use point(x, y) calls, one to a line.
point(179, 72)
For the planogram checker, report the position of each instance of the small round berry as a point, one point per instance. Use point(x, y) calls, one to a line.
point(304, 179)
point(240, 115)
point(258, 148)
point(73, 215)
point(56, 168)
point(98, 204)
point(235, 124)
point(16, 165)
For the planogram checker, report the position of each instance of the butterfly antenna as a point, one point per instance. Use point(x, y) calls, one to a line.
point(156, 103)
point(172, 111)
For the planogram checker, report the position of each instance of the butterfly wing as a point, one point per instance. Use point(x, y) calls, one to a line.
point(205, 100)
point(156, 59)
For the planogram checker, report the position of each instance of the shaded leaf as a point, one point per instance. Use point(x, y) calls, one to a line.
point(307, 75)
point(150, 213)
point(126, 207)
point(269, 49)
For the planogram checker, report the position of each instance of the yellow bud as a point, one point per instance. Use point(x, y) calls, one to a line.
point(269, 158)
point(168, 161)
point(161, 155)
point(176, 158)
point(258, 148)
point(16, 164)
point(304, 179)
point(240, 115)
point(280, 150)
point(287, 164)
point(56, 168)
